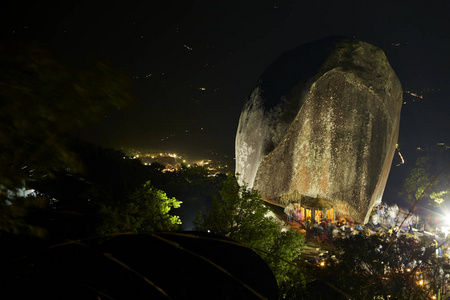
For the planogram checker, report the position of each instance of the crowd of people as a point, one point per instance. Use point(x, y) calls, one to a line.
point(388, 225)
point(327, 232)
point(385, 219)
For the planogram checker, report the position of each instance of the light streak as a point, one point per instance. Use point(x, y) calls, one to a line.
point(414, 94)
point(401, 157)
point(187, 47)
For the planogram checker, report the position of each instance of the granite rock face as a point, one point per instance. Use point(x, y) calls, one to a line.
point(322, 122)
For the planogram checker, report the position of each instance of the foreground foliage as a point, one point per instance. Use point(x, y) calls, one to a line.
point(147, 209)
point(242, 215)
point(428, 180)
point(385, 267)
point(41, 102)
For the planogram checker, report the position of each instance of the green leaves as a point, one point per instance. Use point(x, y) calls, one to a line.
point(147, 209)
point(416, 183)
point(428, 179)
point(240, 214)
point(438, 197)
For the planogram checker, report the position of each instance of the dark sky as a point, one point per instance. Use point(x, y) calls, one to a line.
point(193, 63)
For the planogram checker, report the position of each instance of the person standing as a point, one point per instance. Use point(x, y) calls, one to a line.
point(288, 215)
point(307, 227)
point(291, 212)
point(297, 213)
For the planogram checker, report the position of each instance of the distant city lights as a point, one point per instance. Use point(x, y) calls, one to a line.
point(173, 162)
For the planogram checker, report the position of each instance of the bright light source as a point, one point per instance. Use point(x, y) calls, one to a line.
point(447, 219)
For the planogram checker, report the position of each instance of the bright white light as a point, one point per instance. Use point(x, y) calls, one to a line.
point(447, 219)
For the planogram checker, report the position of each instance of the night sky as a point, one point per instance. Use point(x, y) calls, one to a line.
point(193, 63)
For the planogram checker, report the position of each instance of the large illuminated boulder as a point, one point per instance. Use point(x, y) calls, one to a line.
point(322, 122)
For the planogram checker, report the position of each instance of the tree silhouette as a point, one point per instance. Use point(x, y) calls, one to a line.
point(241, 214)
point(147, 209)
point(41, 102)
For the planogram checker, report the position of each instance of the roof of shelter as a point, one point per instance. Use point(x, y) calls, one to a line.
point(317, 203)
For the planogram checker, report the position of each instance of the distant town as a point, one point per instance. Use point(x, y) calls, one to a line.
point(173, 161)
